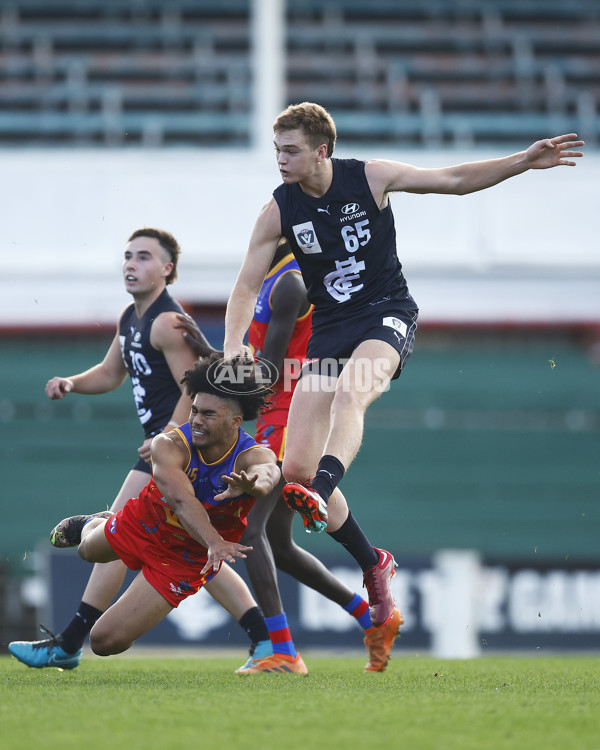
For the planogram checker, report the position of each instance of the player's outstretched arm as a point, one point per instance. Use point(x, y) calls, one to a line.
point(240, 306)
point(168, 460)
point(101, 378)
point(554, 152)
point(256, 473)
point(470, 177)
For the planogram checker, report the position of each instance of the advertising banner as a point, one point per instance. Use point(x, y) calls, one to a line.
point(455, 605)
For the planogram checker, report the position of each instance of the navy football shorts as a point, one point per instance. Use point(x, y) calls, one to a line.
point(332, 343)
point(141, 465)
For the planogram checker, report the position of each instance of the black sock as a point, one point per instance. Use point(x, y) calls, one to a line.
point(329, 474)
point(352, 537)
point(252, 623)
point(77, 630)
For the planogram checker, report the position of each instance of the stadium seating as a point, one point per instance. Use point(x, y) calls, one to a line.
point(439, 73)
point(423, 72)
point(124, 72)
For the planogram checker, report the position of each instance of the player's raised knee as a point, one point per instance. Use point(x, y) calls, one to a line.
point(103, 642)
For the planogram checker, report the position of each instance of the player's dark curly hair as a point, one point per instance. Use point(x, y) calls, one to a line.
point(236, 380)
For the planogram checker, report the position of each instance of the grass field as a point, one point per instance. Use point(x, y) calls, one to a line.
point(419, 703)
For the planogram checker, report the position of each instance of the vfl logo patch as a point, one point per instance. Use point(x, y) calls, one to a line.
point(397, 324)
point(306, 237)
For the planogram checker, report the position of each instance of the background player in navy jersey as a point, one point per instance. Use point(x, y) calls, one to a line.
point(279, 333)
point(188, 519)
point(149, 348)
point(337, 217)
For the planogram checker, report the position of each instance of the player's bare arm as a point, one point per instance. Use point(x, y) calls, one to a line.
point(288, 302)
point(388, 176)
point(193, 336)
point(240, 307)
point(256, 473)
point(169, 457)
point(101, 378)
point(179, 356)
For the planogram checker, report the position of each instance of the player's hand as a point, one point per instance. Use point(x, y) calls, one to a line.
point(242, 352)
point(239, 484)
point(193, 336)
point(552, 152)
point(145, 450)
point(223, 550)
point(57, 388)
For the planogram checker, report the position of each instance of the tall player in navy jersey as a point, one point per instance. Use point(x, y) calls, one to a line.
point(150, 350)
point(336, 215)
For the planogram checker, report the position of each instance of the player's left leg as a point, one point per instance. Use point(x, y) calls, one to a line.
point(263, 577)
point(231, 592)
point(106, 579)
point(300, 564)
point(64, 650)
point(55, 650)
point(94, 546)
point(364, 378)
point(136, 612)
point(307, 569)
point(260, 565)
point(307, 430)
point(366, 375)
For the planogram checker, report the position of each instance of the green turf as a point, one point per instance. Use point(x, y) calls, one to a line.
point(419, 703)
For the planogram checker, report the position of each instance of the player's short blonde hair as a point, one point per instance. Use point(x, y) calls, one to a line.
point(315, 122)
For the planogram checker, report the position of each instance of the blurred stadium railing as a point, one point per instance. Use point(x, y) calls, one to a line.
point(423, 72)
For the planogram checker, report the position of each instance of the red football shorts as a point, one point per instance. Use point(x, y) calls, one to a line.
point(170, 561)
point(271, 435)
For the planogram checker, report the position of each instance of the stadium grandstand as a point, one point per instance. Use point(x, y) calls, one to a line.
point(426, 72)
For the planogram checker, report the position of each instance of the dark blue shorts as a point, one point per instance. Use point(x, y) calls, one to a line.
point(332, 343)
point(142, 465)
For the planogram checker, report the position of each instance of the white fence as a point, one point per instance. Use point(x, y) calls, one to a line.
point(525, 250)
